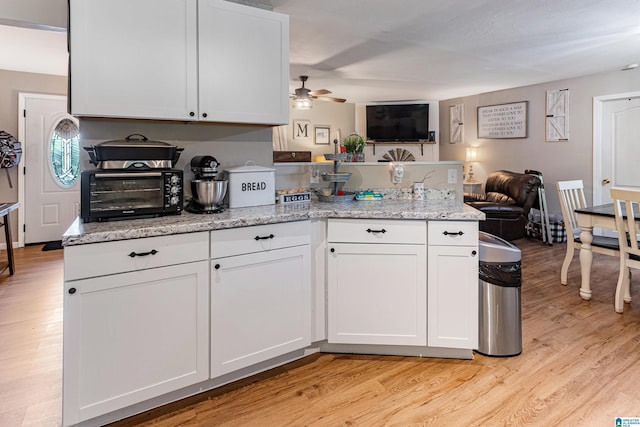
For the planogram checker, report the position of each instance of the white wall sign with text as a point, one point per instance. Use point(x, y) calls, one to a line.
point(302, 129)
point(503, 121)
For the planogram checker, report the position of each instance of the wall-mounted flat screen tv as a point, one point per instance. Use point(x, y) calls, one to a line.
point(398, 122)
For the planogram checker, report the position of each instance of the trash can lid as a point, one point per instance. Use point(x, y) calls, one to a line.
point(495, 249)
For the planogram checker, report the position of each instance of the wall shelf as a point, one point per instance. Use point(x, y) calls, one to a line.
point(395, 143)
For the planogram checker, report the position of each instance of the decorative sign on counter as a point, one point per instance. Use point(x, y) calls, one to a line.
point(295, 198)
point(503, 121)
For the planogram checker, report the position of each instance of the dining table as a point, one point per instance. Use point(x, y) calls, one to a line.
point(599, 216)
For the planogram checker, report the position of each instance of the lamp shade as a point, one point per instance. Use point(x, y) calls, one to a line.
point(472, 154)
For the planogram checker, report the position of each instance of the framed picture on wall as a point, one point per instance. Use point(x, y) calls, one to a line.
point(503, 121)
point(321, 134)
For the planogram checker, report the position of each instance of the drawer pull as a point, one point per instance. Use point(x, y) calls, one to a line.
point(72, 291)
point(135, 254)
point(457, 233)
point(270, 236)
point(217, 266)
point(376, 231)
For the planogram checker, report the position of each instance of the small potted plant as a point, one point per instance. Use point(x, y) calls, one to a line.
point(354, 144)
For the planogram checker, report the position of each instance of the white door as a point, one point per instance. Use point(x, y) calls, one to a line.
point(616, 154)
point(51, 160)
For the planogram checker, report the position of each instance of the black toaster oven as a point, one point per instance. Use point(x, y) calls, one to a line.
point(119, 194)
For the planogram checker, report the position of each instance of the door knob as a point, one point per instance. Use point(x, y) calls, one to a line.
point(606, 181)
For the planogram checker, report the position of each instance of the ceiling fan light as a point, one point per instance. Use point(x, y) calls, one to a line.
point(302, 103)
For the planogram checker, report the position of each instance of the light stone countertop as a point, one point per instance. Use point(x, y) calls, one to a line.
point(80, 233)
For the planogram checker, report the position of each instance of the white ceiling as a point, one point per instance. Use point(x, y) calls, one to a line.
point(380, 50)
point(33, 51)
point(377, 50)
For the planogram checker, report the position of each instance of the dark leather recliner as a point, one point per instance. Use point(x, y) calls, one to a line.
point(506, 203)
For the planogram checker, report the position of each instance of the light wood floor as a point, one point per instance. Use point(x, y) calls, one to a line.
point(580, 365)
point(31, 339)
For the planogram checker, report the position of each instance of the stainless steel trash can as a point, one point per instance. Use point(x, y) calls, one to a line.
point(500, 282)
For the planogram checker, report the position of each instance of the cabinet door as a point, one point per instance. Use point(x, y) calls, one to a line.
point(133, 58)
point(243, 63)
point(260, 307)
point(133, 336)
point(453, 296)
point(377, 294)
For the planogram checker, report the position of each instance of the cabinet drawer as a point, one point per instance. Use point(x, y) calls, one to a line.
point(245, 240)
point(456, 233)
point(101, 259)
point(377, 231)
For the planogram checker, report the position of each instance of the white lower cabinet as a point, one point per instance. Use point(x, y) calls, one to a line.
point(377, 284)
point(146, 317)
point(133, 336)
point(260, 300)
point(453, 284)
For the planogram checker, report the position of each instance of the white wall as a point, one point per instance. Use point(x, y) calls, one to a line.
point(336, 115)
point(34, 13)
point(375, 176)
point(572, 159)
point(350, 118)
point(231, 145)
point(422, 152)
point(11, 84)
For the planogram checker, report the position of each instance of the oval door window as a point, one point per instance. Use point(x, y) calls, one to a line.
point(65, 153)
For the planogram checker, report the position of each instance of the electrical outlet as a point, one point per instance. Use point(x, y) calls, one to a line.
point(314, 176)
point(452, 176)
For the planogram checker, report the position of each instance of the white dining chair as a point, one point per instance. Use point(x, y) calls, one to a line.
point(626, 202)
point(571, 194)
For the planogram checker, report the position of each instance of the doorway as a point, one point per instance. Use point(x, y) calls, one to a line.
point(49, 187)
point(616, 122)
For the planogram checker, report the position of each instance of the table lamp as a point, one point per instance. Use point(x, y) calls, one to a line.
point(470, 158)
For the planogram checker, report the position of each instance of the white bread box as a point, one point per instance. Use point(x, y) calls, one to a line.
point(251, 185)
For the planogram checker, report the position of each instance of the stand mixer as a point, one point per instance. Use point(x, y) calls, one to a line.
point(207, 193)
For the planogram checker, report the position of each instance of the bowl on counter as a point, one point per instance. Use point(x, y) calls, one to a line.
point(208, 193)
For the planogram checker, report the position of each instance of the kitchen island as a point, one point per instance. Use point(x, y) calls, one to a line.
point(159, 309)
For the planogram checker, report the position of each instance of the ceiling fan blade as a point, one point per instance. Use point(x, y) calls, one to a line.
point(330, 99)
point(319, 92)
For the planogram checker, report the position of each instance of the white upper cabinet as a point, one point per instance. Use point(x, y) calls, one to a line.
point(243, 63)
point(207, 60)
point(135, 59)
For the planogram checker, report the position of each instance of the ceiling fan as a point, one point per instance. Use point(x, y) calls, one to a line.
point(303, 98)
